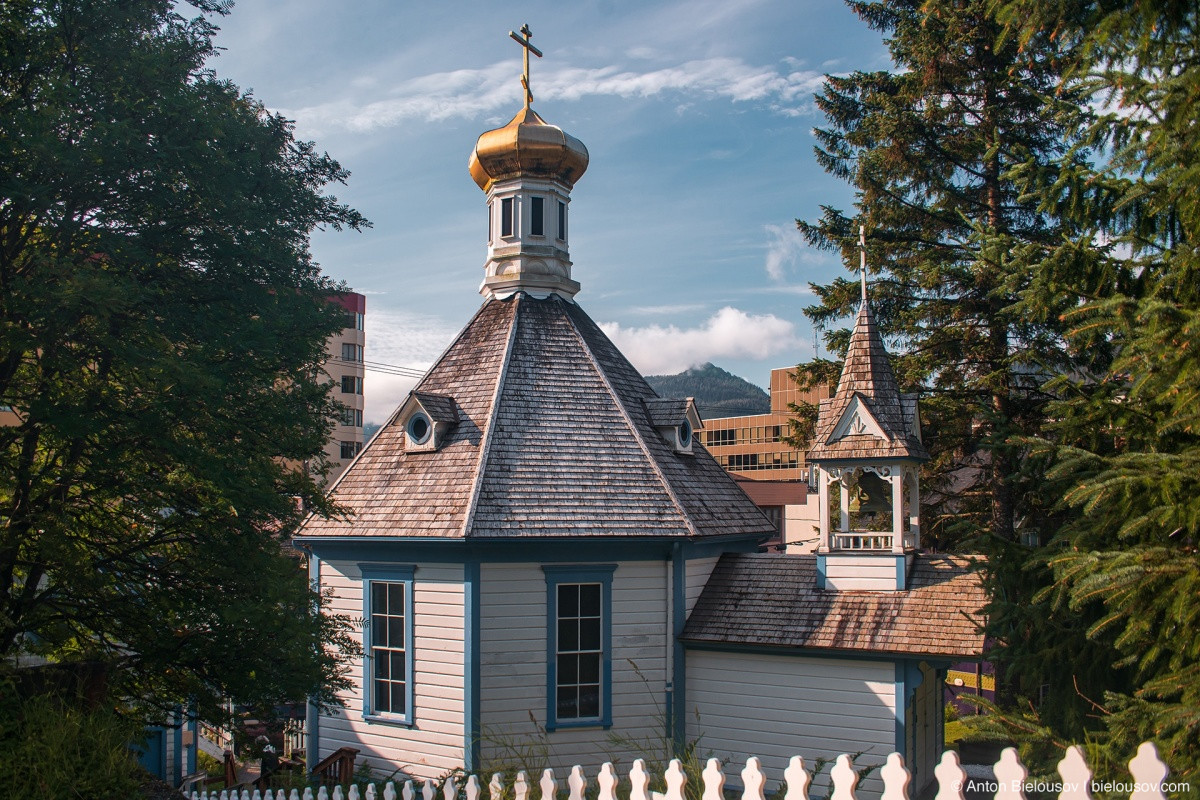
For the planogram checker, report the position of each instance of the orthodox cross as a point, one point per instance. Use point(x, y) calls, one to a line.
point(529, 48)
point(862, 259)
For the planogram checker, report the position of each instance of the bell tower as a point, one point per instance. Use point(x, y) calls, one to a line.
point(527, 170)
point(867, 451)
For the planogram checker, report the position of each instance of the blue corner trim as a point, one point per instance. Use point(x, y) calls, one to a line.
point(580, 573)
point(312, 716)
point(901, 573)
point(677, 710)
point(389, 573)
point(820, 571)
point(471, 666)
point(177, 760)
point(901, 704)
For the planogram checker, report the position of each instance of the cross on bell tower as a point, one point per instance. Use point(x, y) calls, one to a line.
point(523, 40)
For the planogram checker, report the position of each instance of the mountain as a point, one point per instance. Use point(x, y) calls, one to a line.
point(718, 393)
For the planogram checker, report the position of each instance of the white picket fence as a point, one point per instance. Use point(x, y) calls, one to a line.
point(1147, 781)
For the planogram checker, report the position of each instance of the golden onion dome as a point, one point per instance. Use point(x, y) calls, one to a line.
point(529, 147)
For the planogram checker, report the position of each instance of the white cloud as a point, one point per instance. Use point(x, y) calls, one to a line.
point(784, 245)
point(730, 333)
point(475, 93)
point(402, 339)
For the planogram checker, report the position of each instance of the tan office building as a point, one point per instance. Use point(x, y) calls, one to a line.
point(344, 366)
point(773, 473)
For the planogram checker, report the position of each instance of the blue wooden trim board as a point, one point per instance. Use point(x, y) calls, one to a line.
point(677, 711)
point(472, 656)
point(312, 712)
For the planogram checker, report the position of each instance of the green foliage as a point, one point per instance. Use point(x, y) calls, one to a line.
point(1116, 587)
point(718, 393)
point(161, 324)
point(951, 240)
point(49, 750)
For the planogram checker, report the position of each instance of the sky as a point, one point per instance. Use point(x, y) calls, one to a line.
point(698, 118)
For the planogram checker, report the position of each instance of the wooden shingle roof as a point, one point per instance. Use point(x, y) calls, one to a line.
point(771, 600)
point(553, 440)
point(868, 378)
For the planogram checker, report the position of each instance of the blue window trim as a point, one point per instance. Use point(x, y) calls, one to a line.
point(583, 573)
point(388, 573)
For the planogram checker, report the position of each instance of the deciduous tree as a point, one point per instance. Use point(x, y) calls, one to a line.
point(162, 325)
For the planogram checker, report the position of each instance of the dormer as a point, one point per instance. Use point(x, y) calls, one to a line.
point(857, 420)
point(426, 419)
point(675, 420)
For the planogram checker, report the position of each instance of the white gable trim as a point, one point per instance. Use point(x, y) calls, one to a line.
point(856, 420)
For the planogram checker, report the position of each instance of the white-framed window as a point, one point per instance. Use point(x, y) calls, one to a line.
point(507, 208)
point(388, 643)
point(579, 645)
point(562, 221)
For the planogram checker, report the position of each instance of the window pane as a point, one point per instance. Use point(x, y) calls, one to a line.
point(399, 700)
point(568, 670)
point(589, 668)
point(379, 632)
point(568, 600)
point(589, 600)
point(395, 626)
point(382, 662)
point(397, 659)
point(589, 701)
point(383, 700)
point(378, 598)
point(562, 220)
point(568, 703)
point(396, 599)
point(589, 634)
point(568, 635)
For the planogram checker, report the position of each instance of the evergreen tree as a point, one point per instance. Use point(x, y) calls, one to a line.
point(162, 327)
point(1122, 575)
point(951, 242)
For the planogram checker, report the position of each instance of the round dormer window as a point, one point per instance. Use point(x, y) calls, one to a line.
point(418, 428)
point(685, 434)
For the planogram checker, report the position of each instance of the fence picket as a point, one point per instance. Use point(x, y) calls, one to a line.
point(496, 787)
point(389, 791)
point(714, 780)
point(896, 778)
point(607, 781)
point(337, 793)
point(844, 778)
point(322, 793)
point(428, 789)
point(472, 791)
point(521, 787)
point(576, 783)
point(639, 780)
point(797, 779)
point(548, 784)
point(370, 793)
point(950, 777)
point(1148, 772)
point(308, 793)
point(753, 780)
point(1076, 775)
point(675, 779)
point(1010, 776)
point(354, 794)
point(449, 789)
point(408, 792)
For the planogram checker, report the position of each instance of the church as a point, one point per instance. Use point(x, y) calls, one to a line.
point(545, 560)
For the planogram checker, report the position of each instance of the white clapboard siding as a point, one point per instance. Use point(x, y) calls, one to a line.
point(697, 572)
point(434, 743)
point(513, 668)
point(847, 572)
point(776, 706)
point(1147, 779)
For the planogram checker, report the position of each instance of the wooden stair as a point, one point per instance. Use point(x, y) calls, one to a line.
point(337, 767)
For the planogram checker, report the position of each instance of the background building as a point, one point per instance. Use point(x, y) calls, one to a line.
point(772, 472)
point(344, 366)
